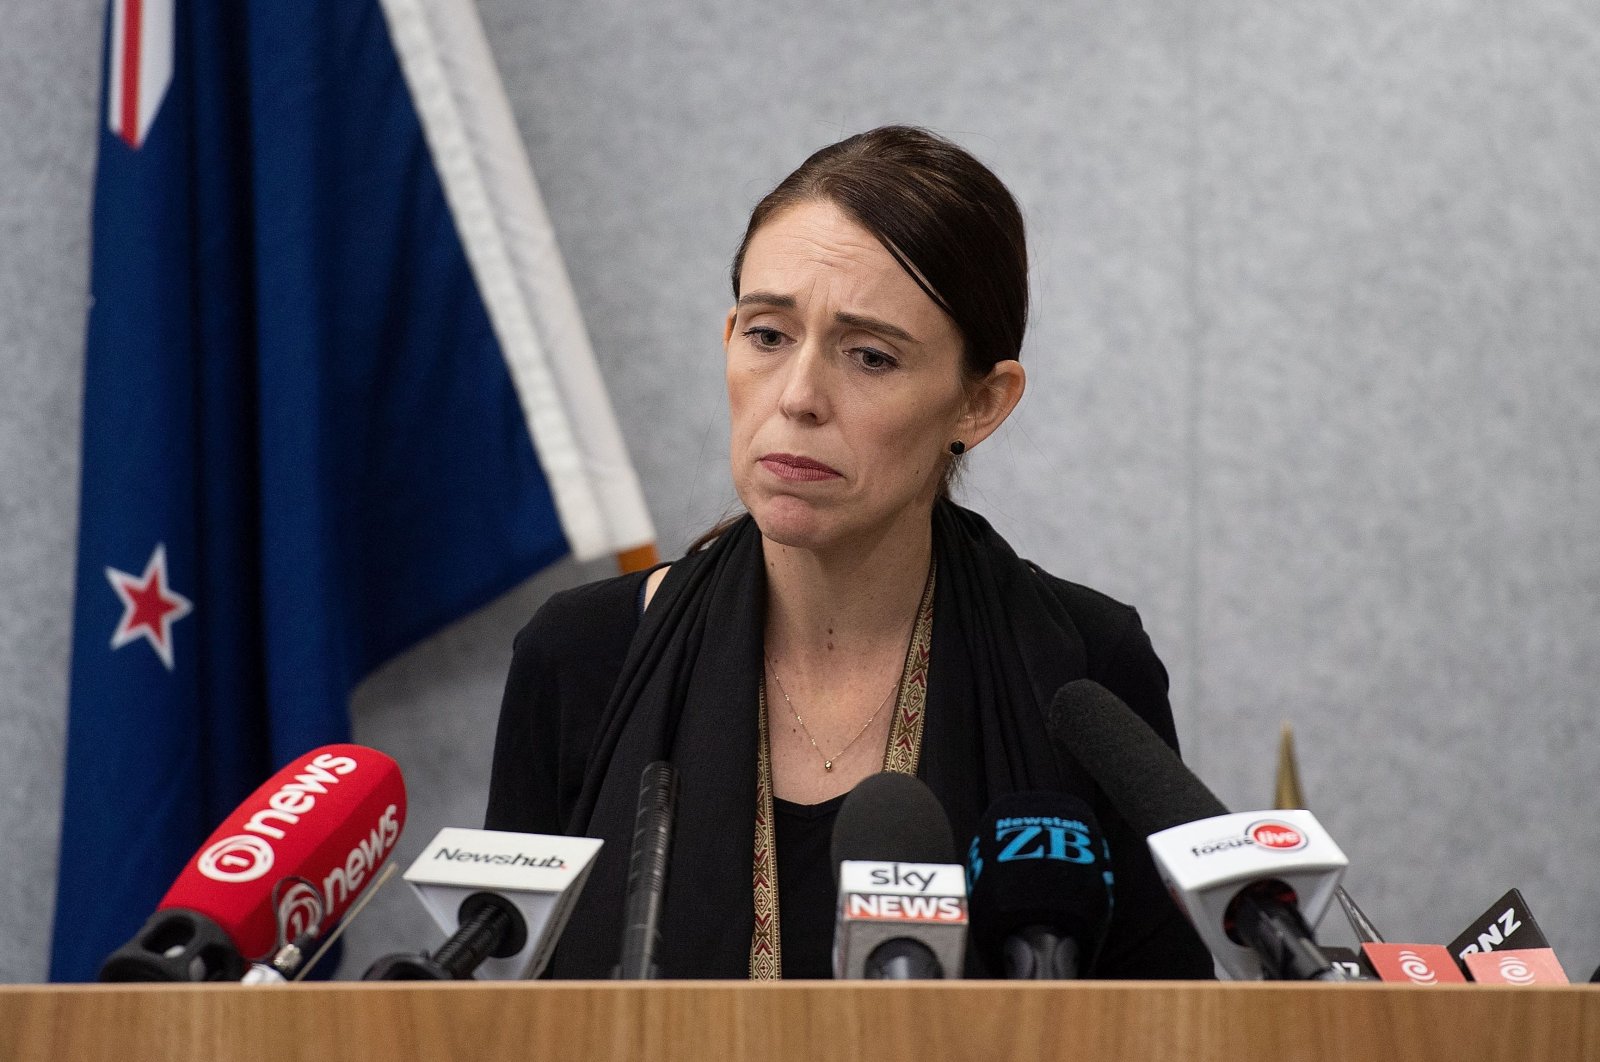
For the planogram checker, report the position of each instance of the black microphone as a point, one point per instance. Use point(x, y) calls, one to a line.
point(1235, 876)
point(647, 872)
point(902, 899)
point(1039, 887)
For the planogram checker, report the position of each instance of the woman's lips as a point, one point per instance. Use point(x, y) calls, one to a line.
point(794, 467)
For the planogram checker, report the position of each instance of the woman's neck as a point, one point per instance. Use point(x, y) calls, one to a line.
point(846, 602)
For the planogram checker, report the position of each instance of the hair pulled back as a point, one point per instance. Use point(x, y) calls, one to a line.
point(943, 215)
point(949, 222)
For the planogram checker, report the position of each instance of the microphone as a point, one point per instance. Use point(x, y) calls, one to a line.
point(1508, 929)
point(1414, 964)
point(902, 898)
point(647, 872)
point(1242, 879)
point(1039, 886)
point(504, 898)
point(287, 864)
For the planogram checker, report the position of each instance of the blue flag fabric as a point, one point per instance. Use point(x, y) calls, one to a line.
point(302, 447)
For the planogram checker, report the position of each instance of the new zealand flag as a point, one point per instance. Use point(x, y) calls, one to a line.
point(337, 395)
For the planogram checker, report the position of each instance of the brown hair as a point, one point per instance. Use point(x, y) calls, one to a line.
point(943, 215)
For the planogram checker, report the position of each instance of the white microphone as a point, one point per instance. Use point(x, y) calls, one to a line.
point(900, 921)
point(503, 897)
point(1242, 879)
point(1250, 881)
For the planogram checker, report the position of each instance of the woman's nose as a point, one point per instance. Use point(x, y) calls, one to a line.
point(806, 384)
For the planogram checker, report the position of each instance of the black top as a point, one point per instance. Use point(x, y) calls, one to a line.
point(807, 907)
point(568, 657)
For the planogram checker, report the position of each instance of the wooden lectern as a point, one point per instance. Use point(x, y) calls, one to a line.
point(713, 1021)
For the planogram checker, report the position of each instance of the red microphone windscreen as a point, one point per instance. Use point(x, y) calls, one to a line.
point(332, 816)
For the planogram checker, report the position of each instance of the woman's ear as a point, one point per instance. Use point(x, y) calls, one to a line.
point(727, 327)
point(991, 401)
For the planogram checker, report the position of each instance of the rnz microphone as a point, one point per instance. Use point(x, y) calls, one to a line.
point(902, 898)
point(647, 872)
point(279, 872)
point(1243, 879)
point(503, 897)
point(1039, 887)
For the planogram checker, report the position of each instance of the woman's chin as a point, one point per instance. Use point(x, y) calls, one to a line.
point(790, 522)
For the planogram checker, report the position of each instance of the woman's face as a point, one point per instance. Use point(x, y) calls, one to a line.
point(844, 384)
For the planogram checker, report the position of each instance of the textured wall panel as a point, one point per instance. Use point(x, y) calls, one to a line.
point(1399, 483)
point(48, 86)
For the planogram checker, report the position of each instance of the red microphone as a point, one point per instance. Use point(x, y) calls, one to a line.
point(284, 867)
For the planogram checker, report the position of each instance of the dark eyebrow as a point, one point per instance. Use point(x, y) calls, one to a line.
point(767, 298)
point(854, 320)
point(873, 324)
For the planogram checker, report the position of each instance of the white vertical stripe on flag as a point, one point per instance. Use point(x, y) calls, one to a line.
point(500, 216)
point(156, 27)
point(119, 50)
point(150, 38)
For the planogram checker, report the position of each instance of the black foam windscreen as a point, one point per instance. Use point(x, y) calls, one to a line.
point(1039, 860)
point(892, 818)
point(1144, 779)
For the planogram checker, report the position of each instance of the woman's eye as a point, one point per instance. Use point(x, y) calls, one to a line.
point(764, 338)
point(874, 360)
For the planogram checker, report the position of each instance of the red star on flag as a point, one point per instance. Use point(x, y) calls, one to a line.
point(149, 606)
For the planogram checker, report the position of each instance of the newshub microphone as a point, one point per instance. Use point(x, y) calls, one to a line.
point(503, 897)
point(1248, 881)
point(1039, 885)
point(285, 866)
point(902, 898)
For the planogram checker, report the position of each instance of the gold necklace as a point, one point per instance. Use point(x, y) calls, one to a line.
point(827, 761)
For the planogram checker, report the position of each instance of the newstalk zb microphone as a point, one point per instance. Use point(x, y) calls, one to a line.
point(1039, 887)
point(320, 828)
point(1243, 879)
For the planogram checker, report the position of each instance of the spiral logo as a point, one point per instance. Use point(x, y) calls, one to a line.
point(300, 911)
point(237, 858)
point(1278, 836)
point(1416, 968)
point(1515, 971)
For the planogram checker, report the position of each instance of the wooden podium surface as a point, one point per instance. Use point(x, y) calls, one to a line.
point(712, 1021)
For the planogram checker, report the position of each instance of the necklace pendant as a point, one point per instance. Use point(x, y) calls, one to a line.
point(827, 765)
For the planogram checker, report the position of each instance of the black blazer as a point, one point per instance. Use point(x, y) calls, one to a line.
point(566, 661)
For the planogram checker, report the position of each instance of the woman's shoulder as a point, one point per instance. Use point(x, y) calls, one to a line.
point(1118, 653)
point(575, 619)
point(1101, 619)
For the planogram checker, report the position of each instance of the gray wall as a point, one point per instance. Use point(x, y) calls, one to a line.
point(1313, 382)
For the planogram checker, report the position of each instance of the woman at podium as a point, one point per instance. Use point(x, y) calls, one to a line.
point(854, 619)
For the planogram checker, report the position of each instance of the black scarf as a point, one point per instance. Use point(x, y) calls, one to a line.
point(1002, 645)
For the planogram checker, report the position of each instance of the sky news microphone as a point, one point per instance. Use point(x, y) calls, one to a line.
point(1038, 887)
point(902, 898)
point(1248, 881)
point(647, 872)
point(284, 867)
point(503, 898)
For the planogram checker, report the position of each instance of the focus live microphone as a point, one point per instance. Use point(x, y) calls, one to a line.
point(647, 872)
point(278, 872)
point(1243, 879)
point(503, 897)
point(902, 898)
point(1039, 887)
